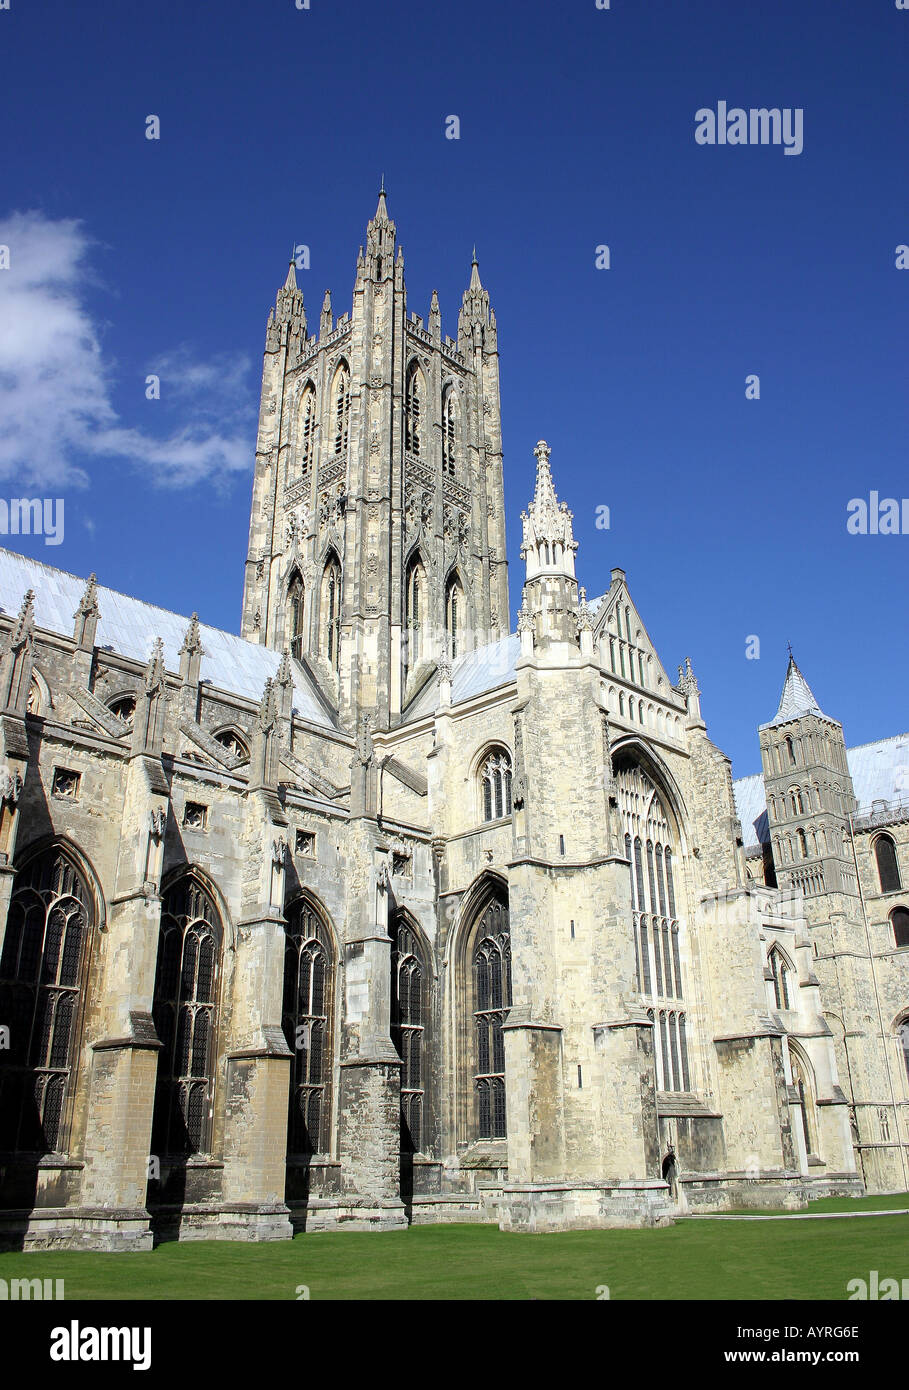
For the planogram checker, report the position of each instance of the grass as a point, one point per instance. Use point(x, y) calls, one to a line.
point(690, 1260)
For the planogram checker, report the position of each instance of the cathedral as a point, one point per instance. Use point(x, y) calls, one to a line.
point(380, 913)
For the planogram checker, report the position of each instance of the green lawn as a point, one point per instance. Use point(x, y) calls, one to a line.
point(697, 1259)
point(888, 1202)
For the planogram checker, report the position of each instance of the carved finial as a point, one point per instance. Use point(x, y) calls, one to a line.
point(25, 623)
point(192, 642)
point(444, 667)
point(155, 670)
point(88, 603)
point(284, 674)
point(267, 709)
point(585, 616)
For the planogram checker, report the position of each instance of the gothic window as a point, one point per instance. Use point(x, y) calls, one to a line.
point(780, 972)
point(307, 434)
point(491, 967)
point(295, 595)
point(307, 1019)
point(123, 707)
point(495, 784)
point(904, 1044)
point(899, 920)
point(454, 617)
point(408, 1028)
point(449, 433)
point(888, 869)
point(341, 407)
point(655, 924)
point(43, 972)
point(414, 614)
point(331, 611)
point(803, 1098)
point(231, 740)
point(33, 702)
point(413, 406)
point(185, 1014)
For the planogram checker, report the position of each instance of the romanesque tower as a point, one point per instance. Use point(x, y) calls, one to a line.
point(809, 793)
point(810, 804)
point(377, 533)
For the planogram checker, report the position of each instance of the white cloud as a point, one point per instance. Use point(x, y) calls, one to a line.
point(56, 411)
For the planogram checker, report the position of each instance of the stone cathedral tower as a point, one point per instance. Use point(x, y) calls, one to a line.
point(377, 534)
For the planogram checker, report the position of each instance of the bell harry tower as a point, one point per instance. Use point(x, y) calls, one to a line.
point(377, 529)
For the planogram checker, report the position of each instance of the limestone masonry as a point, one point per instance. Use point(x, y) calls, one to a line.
point(377, 913)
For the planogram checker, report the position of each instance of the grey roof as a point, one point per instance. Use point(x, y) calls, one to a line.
point(879, 771)
point(796, 698)
point(472, 674)
point(129, 626)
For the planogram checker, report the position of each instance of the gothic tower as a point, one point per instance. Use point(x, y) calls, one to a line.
point(377, 532)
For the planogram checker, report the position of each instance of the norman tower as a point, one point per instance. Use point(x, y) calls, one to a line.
point(377, 533)
point(809, 793)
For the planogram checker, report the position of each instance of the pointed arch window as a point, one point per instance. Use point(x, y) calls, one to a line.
point(803, 1098)
point(449, 432)
point(904, 1044)
point(307, 1023)
point(307, 434)
point(888, 869)
point(414, 613)
point(780, 972)
point(495, 783)
point(185, 1014)
point(491, 968)
point(43, 971)
point(408, 1028)
point(413, 412)
point(331, 611)
point(341, 408)
point(454, 618)
point(295, 596)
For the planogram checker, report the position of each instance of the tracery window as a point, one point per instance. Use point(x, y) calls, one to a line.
point(331, 611)
point(888, 869)
point(670, 1049)
point(341, 399)
point(231, 740)
point(495, 782)
point(123, 707)
point(307, 436)
point(43, 972)
point(648, 837)
point(413, 406)
point(449, 433)
point(307, 1020)
point(408, 1028)
point(185, 1014)
point(491, 964)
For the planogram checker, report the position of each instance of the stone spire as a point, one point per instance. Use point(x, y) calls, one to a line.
point(474, 320)
point(87, 614)
point(18, 659)
point(548, 546)
point(379, 261)
point(435, 317)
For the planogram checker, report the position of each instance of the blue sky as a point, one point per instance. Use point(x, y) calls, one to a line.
point(577, 129)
